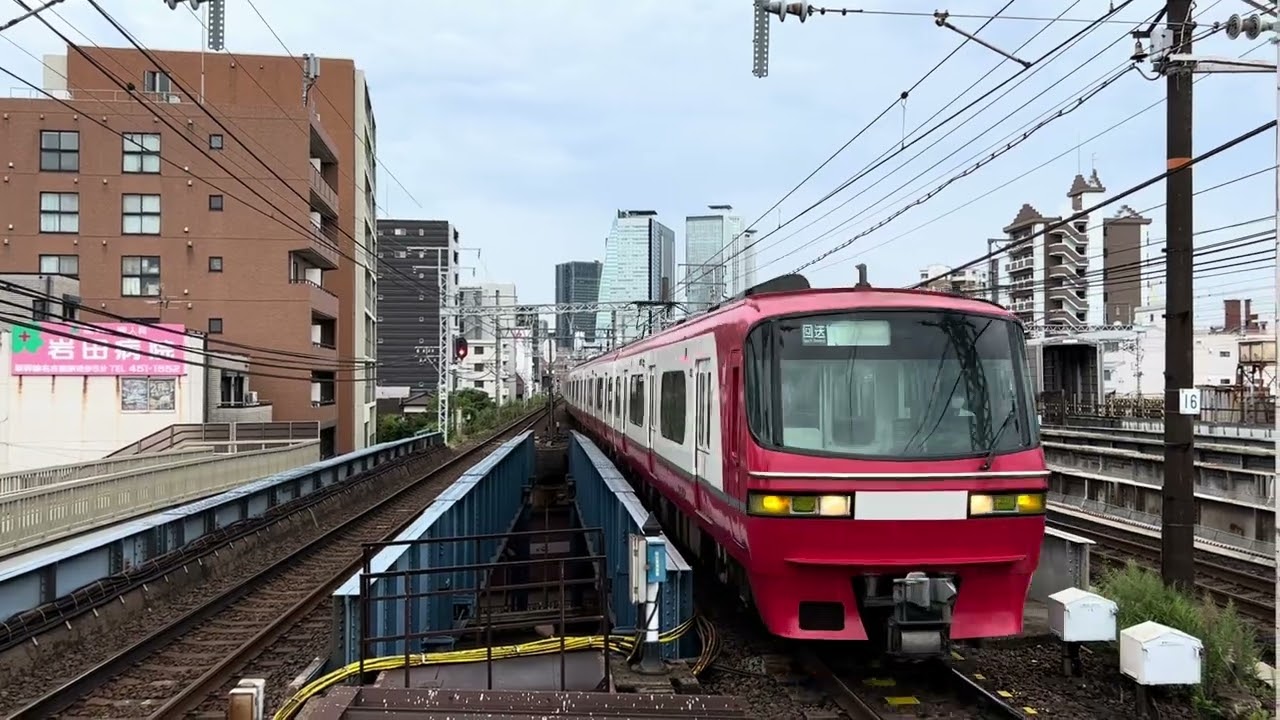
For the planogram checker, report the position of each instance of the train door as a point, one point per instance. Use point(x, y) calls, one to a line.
point(701, 419)
point(651, 387)
point(730, 427)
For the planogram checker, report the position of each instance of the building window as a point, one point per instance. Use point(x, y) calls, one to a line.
point(479, 384)
point(154, 81)
point(215, 203)
point(40, 310)
point(479, 367)
point(233, 389)
point(59, 151)
point(142, 152)
point(59, 212)
point(70, 307)
point(215, 326)
point(140, 276)
point(215, 142)
point(60, 264)
point(140, 215)
point(138, 395)
point(671, 411)
point(215, 264)
point(479, 349)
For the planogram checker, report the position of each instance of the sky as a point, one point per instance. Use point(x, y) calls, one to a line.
point(528, 125)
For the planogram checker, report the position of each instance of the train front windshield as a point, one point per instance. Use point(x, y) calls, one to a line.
point(890, 385)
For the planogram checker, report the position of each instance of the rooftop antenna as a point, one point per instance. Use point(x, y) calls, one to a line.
point(310, 73)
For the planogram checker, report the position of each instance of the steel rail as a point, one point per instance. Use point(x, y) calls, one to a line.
point(76, 689)
point(1252, 606)
point(160, 567)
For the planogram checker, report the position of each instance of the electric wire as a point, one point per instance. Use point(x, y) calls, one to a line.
point(901, 99)
point(928, 132)
point(1001, 147)
point(962, 16)
point(165, 118)
point(1050, 227)
point(381, 165)
point(203, 107)
point(1035, 169)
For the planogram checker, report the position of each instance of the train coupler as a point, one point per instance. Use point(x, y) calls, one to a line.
point(921, 622)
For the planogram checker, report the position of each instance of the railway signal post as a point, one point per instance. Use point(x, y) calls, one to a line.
point(648, 571)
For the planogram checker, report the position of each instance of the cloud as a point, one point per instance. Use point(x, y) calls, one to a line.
point(528, 124)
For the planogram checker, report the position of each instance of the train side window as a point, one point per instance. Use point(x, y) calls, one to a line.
point(758, 390)
point(636, 406)
point(671, 414)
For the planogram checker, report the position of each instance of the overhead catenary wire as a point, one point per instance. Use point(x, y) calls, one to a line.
point(905, 146)
point(1040, 166)
point(1000, 147)
point(1243, 137)
point(902, 98)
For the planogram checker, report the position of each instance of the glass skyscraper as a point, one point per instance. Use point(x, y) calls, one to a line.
point(577, 282)
point(639, 264)
point(713, 266)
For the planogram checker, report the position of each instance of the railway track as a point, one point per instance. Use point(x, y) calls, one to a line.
point(272, 625)
point(866, 690)
point(1250, 586)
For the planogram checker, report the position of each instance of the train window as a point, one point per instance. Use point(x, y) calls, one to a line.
point(636, 402)
point(672, 411)
point(925, 384)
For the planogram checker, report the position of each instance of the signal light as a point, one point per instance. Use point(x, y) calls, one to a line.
point(460, 348)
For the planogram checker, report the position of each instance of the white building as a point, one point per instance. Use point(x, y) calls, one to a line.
point(971, 280)
point(65, 400)
point(491, 363)
point(715, 266)
point(639, 265)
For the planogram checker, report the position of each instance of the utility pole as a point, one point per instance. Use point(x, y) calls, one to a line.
point(1178, 515)
point(1171, 55)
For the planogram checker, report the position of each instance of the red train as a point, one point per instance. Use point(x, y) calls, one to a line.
point(860, 463)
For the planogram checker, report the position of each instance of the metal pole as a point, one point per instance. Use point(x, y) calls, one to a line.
point(1177, 527)
point(1275, 318)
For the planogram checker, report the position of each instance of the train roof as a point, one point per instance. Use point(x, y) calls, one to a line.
point(791, 294)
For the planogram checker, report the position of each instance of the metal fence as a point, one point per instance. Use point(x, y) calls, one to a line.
point(466, 586)
point(1218, 405)
point(1257, 547)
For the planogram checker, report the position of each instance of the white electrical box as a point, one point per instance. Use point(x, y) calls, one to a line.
point(637, 556)
point(1077, 615)
point(1153, 654)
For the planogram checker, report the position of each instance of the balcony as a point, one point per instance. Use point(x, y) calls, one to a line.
point(323, 197)
point(1070, 301)
point(1070, 278)
point(322, 388)
point(319, 247)
point(1063, 318)
point(1067, 250)
point(322, 144)
point(1025, 263)
point(324, 332)
point(321, 300)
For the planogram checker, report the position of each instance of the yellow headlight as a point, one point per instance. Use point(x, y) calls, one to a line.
point(800, 505)
point(1006, 504)
point(833, 505)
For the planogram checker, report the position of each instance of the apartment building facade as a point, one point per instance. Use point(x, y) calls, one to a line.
point(497, 341)
point(151, 203)
point(968, 281)
point(417, 264)
point(1085, 273)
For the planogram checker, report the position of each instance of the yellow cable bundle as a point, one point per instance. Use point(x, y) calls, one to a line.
point(619, 644)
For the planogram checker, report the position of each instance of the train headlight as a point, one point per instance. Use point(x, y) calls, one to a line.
point(799, 505)
point(1000, 504)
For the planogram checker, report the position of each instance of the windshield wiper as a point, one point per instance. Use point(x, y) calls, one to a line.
point(995, 439)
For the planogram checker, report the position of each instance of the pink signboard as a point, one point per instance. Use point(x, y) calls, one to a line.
point(98, 349)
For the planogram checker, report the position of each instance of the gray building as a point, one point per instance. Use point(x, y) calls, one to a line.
point(58, 294)
point(577, 282)
point(409, 310)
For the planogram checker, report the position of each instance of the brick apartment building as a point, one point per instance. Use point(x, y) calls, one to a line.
point(152, 241)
